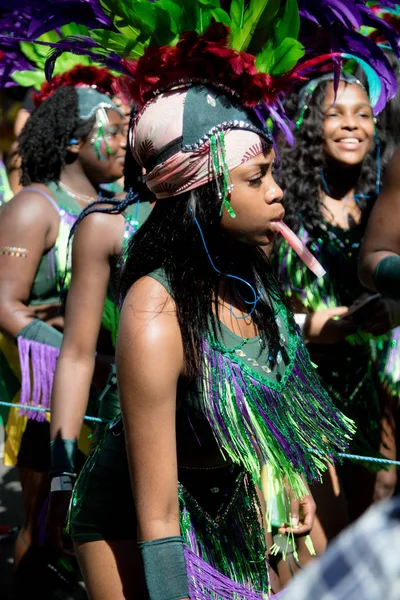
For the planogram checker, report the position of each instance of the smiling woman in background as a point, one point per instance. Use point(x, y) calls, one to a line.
point(331, 178)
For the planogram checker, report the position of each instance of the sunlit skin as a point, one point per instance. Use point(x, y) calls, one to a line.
point(348, 125)
point(256, 200)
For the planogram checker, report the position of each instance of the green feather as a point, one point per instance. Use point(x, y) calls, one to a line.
point(221, 16)
point(237, 15)
point(124, 45)
point(34, 53)
point(258, 15)
point(174, 9)
point(29, 78)
point(289, 24)
point(286, 56)
point(68, 61)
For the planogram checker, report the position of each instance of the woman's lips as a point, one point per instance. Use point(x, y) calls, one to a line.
point(349, 143)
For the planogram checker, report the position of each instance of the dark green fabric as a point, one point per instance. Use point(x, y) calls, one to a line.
point(40, 331)
point(44, 289)
point(205, 110)
point(108, 510)
point(387, 277)
point(109, 399)
point(165, 568)
point(258, 358)
point(62, 456)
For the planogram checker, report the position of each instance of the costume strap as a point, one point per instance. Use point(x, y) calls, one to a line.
point(45, 195)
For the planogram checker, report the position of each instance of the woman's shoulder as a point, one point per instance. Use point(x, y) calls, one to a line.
point(152, 290)
point(32, 202)
point(148, 317)
point(102, 231)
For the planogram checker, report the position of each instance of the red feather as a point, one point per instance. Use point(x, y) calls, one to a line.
point(207, 59)
point(79, 76)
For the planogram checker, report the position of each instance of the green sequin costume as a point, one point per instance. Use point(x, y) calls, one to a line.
point(254, 405)
point(347, 368)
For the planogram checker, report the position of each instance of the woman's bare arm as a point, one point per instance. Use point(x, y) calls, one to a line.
point(382, 237)
point(149, 364)
point(29, 223)
point(98, 238)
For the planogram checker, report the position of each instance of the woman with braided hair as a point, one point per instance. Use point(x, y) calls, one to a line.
point(72, 143)
point(101, 234)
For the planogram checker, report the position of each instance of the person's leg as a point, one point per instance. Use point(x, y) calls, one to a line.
point(332, 509)
point(112, 570)
point(35, 490)
point(386, 480)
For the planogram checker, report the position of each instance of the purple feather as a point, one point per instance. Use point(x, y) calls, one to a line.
point(392, 36)
point(328, 12)
point(10, 63)
point(16, 22)
point(12, 25)
point(57, 14)
point(367, 50)
point(82, 46)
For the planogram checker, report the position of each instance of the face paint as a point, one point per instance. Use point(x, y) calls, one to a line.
point(99, 139)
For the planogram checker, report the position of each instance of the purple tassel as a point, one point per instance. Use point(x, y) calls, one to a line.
point(206, 583)
point(42, 360)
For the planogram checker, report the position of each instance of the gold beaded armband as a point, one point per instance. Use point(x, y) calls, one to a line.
point(13, 251)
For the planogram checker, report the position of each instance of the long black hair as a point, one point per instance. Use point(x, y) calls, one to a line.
point(301, 167)
point(170, 240)
point(44, 140)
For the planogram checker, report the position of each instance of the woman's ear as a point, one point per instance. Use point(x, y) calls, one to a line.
point(74, 145)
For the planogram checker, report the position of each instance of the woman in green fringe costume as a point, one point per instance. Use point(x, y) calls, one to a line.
point(213, 374)
point(214, 377)
point(101, 235)
point(64, 162)
point(331, 178)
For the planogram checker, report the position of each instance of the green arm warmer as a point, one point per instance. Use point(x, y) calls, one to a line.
point(41, 332)
point(165, 568)
point(387, 277)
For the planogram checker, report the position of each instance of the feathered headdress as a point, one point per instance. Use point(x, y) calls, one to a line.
point(258, 49)
point(24, 47)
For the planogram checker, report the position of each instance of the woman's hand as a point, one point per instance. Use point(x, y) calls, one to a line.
point(302, 513)
point(385, 485)
point(322, 327)
point(375, 318)
point(56, 518)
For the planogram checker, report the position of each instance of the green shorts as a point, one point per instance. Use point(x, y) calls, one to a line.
point(103, 506)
